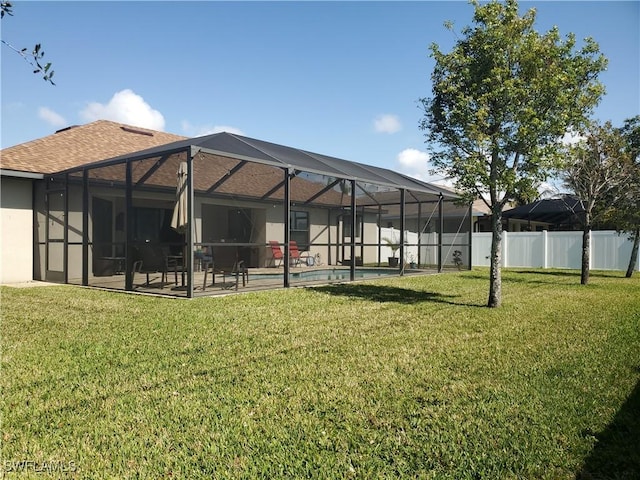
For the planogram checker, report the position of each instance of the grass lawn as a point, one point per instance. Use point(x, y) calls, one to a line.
point(398, 378)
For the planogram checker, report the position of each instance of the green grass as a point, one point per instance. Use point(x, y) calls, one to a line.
point(398, 378)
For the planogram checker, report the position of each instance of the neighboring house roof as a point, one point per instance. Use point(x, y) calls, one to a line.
point(555, 211)
point(79, 145)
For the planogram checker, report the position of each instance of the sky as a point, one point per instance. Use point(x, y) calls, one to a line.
point(338, 78)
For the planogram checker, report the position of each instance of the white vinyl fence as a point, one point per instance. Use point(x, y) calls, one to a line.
point(428, 246)
point(609, 251)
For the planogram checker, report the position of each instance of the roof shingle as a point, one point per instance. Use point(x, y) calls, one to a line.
point(79, 145)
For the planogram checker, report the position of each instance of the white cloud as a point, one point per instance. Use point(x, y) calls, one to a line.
point(571, 138)
point(387, 123)
point(415, 163)
point(51, 117)
point(126, 107)
point(201, 130)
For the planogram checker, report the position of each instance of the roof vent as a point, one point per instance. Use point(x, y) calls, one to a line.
point(139, 132)
point(66, 128)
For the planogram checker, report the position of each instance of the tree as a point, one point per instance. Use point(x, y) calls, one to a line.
point(35, 58)
point(502, 99)
point(597, 170)
point(626, 215)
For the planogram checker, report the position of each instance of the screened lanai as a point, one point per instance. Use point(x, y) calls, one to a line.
point(223, 213)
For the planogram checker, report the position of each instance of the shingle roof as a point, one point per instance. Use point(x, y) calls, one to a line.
point(79, 145)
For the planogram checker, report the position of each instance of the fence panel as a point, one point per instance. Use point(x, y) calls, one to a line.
point(609, 251)
point(525, 249)
point(613, 251)
point(564, 249)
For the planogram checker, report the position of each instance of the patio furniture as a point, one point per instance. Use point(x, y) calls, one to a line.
point(207, 263)
point(276, 253)
point(150, 258)
point(239, 269)
point(295, 254)
point(176, 262)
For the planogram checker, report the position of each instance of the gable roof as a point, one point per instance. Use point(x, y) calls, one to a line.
point(79, 145)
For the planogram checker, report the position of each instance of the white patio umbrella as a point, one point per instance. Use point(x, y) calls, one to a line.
point(180, 217)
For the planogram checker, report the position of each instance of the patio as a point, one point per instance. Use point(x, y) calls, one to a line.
point(257, 279)
point(231, 196)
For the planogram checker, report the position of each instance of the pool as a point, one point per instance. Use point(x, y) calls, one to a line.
point(326, 275)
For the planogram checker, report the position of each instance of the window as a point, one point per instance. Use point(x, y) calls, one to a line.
point(346, 222)
point(300, 229)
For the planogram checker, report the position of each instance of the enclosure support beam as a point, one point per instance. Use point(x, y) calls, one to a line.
point(352, 268)
point(288, 173)
point(65, 235)
point(403, 240)
point(231, 172)
point(440, 231)
point(379, 235)
point(419, 229)
point(328, 261)
point(470, 233)
point(85, 227)
point(128, 215)
point(154, 168)
point(323, 191)
point(188, 259)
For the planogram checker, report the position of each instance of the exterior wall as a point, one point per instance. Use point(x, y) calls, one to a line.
point(16, 225)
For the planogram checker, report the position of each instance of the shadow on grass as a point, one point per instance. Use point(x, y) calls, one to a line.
point(570, 277)
point(616, 455)
point(382, 293)
point(571, 273)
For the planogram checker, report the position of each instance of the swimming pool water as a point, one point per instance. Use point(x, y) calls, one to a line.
point(326, 275)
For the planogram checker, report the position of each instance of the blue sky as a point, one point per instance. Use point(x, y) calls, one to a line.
point(339, 78)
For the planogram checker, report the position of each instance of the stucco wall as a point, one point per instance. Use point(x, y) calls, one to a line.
point(16, 227)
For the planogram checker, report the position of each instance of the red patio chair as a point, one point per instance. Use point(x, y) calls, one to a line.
point(294, 253)
point(276, 253)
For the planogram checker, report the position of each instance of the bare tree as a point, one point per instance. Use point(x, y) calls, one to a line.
point(596, 170)
point(626, 215)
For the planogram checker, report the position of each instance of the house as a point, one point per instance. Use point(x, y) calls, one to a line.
point(563, 212)
point(22, 166)
point(95, 203)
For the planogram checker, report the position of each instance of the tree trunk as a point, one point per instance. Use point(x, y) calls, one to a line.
point(495, 275)
point(634, 253)
point(586, 240)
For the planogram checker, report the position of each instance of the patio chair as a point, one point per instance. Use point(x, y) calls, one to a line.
point(295, 254)
point(150, 258)
point(175, 263)
point(276, 253)
point(240, 269)
point(207, 263)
